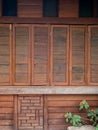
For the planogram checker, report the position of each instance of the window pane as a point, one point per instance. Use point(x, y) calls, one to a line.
point(85, 8)
point(9, 8)
point(50, 8)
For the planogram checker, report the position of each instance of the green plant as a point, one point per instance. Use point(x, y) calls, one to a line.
point(77, 120)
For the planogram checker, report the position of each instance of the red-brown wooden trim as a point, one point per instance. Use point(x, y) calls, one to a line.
point(51, 53)
point(15, 112)
point(45, 113)
point(64, 21)
point(85, 58)
point(14, 54)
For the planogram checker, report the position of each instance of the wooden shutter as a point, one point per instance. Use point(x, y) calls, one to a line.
point(30, 8)
point(5, 54)
point(40, 54)
point(59, 55)
point(93, 55)
point(68, 8)
point(21, 54)
point(77, 55)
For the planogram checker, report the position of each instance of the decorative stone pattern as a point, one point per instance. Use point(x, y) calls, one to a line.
point(30, 112)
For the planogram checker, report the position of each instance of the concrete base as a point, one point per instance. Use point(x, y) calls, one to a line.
point(85, 127)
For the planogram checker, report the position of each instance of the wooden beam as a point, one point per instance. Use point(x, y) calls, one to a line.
point(67, 21)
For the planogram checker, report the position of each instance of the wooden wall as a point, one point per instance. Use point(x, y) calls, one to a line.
point(48, 55)
point(28, 8)
point(68, 8)
point(39, 112)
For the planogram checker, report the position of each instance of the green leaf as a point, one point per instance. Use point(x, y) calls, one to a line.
point(96, 127)
point(67, 120)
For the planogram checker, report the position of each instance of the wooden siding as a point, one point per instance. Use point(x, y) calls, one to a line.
point(30, 8)
point(68, 8)
point(58, 105)
point(40, 112)
point(6, 112)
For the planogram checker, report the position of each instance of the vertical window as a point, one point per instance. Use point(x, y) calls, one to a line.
point(59, 55)
point(9, 7)
point(93, 49)
point(85, 8)
point(77, 55)
point(50, 8)
point(21, 54)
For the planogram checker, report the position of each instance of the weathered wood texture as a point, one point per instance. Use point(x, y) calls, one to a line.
point(40, 57)
point(77, 54)
point(68, 8)
point(5, 54)
point(93, 51)
point(6, 112)
point(40, 112)
point(30, 8)
point(48, 54)
point(59, 55)
point(21, 54)
point(58, 105)
point(30, 112)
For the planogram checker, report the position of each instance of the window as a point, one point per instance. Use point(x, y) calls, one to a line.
point(50, 8)
point(85, 8)
point(9, 7)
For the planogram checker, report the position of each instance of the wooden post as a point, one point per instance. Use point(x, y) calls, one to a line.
point(0, 7)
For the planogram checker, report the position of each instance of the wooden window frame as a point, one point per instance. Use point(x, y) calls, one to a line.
point(89, 55)
point(10, 54)
point(51, 57)
point(29, 55)
point(32, 55)
point(85, 57)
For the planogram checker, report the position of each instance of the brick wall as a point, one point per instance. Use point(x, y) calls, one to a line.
point(30, 112)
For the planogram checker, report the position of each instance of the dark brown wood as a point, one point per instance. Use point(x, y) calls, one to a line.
point(15, 112)
point(68, 21)
point(27, 8)
point(68, 8)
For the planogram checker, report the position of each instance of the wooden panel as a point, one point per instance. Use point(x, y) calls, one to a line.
point(5, 54)
point(6, 112)
point(58, 105)
point(40, 55)
point(30, 112)
point(21, 54)
point(30, 8)
point(77, 57)
point(68, 8)
point(59, 54)
point(93, 59)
